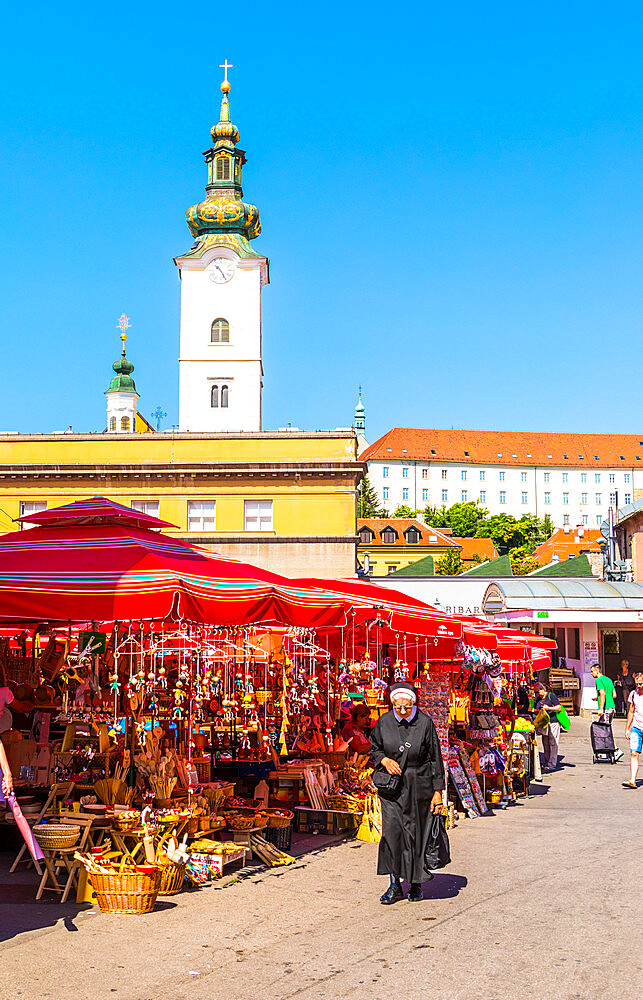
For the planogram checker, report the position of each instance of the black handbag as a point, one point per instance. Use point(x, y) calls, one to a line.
point(389, 785)
point(437, 853)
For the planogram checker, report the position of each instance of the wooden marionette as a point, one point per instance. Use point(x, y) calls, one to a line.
point(162, 678)
point(179, 698)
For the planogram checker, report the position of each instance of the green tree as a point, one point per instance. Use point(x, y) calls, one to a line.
point(450, 563)
point(502, 529)
point(465, 518)
point(436, 517)
point(404, 511)
point(368, 502)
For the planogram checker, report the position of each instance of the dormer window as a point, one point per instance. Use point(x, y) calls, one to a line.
point(222, 168)
point(220, 331)
point(365, 535)
point(389, 536)
point(412, 536)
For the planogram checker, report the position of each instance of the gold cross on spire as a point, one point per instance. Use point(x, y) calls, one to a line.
point(123, 324)
point(225, 66)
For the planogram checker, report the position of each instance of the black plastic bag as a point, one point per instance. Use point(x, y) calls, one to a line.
point(437, 853)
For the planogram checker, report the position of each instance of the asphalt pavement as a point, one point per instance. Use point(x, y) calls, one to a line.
point(542, 900)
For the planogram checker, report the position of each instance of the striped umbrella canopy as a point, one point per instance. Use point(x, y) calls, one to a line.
point(112, 570)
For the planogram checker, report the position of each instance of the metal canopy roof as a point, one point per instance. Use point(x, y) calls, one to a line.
point(550, 595)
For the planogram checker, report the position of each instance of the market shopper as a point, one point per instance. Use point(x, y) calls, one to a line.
point(604, 694)
point(634, 729)
point(550, 734)
point(404, 742)
point(7, 780)
point(624, 684)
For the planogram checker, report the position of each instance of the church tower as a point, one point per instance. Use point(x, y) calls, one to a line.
point(122, 395)
point(220, 365)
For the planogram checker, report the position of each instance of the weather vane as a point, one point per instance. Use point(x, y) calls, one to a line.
point(123, 324)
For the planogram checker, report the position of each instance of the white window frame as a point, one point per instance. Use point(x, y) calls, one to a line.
point(150, 507)
point(405, 493)
point(405, 472)
point(524, 497)
point(445, 496)
point(523, 477)
point(31, 507)
point(385, 492)
point(483, 496)
point(258, 515)
point(385, 470)
point(503, 496)
point(202, 515)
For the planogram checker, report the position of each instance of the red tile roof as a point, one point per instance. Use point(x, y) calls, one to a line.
point(483, 547)
point(431, 537)
point(507, 448)
point(568, 543)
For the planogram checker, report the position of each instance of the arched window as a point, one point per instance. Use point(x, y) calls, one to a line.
point(220, 331)
point(224, 395)
point(112, 423)
point(124, 423)
point(214, 396)
point(223, 168)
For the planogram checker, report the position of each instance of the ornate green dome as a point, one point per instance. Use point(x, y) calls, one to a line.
point(122, 381)
point(223, 209)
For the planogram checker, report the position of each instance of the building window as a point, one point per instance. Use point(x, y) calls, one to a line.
point(385, 472)
point(483, 496)
point(585, 519)
point(598, 498)
point(150, 507)
point(523, 477)
point(412, 536)
point(405, 493)
point(463, 474)
point(583, 477)
point(257, 515)
point(365, 536)
point(599, 520)
point(425, 494)
point(524, 497)
point(112, 423)
point(503, 496)
point(501, 477)
point(31, 507)
point(405, 473)
point(385, 492)
point(224, 396)
point(389, 536)
point(124, 423)
point(202, 515)
point(583, 498)
point(565, 518)
point(612, 477)
point(444, 496)
point(626, 477)
point(628, 498)
point(220, 331)
point(482, 475)
point(612, 498)
point(597, 477)
point(546, 477)
point(223, 168)
point(464, 496)
point(214, 396)
point(565, 497)
point(547, 497)
point(565, 476)
point(391, 569)
point(425, 473)
point(444, 473)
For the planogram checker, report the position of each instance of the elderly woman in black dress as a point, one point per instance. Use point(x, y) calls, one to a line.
point(404, 742)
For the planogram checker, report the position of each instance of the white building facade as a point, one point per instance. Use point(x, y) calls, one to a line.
point(573, 478)
point(220, 361)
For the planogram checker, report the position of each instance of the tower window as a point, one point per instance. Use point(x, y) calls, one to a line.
point(214, 396)
point(224, 395)
point(112, 423)
point(223, 168)
point(220, 331)
point(124, 423)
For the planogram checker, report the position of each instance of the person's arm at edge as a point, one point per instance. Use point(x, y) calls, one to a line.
point(7, 780)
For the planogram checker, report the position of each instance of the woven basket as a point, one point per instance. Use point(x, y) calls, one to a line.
point(126, 892)
point(280, 822)
point(126, 824)
point(56, 836)
point(172, 877)
point(236, 822)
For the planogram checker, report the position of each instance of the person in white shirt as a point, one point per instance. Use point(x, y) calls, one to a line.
point(634, 729)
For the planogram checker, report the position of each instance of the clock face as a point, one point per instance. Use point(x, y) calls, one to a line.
point(221, 270)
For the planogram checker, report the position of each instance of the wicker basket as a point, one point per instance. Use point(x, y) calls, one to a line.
point(276, 822)
point(202, 767)
point(56, 836)
point(236, 822)
point(126, 892)
point(126, 824)
point(172, 878)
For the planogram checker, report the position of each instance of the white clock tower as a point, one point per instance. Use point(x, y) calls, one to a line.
point(220, 366)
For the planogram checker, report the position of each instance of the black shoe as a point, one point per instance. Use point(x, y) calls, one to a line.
point(415, 894)
point(392, 895)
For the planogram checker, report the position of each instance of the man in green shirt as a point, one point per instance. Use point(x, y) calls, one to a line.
point(604, 694)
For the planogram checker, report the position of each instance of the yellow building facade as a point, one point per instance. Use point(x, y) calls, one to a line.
point(285, 501)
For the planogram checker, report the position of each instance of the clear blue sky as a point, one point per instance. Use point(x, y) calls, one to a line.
point(451, 198)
